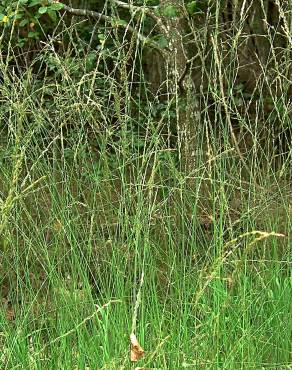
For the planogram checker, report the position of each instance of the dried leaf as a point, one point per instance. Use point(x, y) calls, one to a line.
point(136, 350)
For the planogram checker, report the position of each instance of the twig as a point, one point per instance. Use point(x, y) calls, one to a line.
point(121, 4)
point(150, 11)
point(105, 18)
point(86, 13)
point(225, 106)
point(185, 72)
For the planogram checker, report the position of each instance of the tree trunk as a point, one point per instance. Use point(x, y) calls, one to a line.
point(169, 74)
point(251, 37)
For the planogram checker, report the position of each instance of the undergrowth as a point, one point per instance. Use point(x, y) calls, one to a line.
point(103, 233)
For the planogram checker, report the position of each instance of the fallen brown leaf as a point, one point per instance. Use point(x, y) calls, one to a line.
point(136, 350)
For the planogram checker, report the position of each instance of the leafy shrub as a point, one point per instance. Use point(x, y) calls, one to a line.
point(29, 19)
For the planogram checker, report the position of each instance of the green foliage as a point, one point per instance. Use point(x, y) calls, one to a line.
point(170, 11)
point(31, 17)
point(199, 6)
point(159, 40)
point(192, 7)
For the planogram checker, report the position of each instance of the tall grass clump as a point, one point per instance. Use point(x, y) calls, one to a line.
point(104, 232)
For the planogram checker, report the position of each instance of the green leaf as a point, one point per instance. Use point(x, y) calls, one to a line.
point(56, 6)
point(19, 16)
point(119, 22)
point(192, 7)
point(21, 42)
point(23, 23)
point(52, 14)
point(170, 11)
point(43, 9)
point(162, 41)
point(33, 35)
point(101, 36)
point(35, 2)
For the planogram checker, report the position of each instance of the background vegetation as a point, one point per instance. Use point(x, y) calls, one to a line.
point(145, 184)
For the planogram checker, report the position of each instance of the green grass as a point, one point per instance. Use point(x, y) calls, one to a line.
point(102, 233)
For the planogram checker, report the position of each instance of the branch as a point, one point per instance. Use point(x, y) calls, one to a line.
point(86, 13)
point(105, 18)
point(150, 11)
point(185, 72)
point(127, 27)
point(121, 4)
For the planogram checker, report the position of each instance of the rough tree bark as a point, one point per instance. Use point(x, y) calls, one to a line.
point(169, 73)
point(179, 85)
